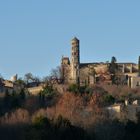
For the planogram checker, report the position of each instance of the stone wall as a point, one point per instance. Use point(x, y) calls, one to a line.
point(35, 90)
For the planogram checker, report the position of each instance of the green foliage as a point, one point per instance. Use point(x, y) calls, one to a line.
point(20, 82)
point(60, 129)
point(41, 122)
point(113, 59)
point(40, 129)
point(89, 90)
point(62, 122)
point(113, 69)
point(109, 99)
point(13, 100)
point(7, 96)
point(22, 94)
point(48, 92)
point(82, 89)
point(73, 88)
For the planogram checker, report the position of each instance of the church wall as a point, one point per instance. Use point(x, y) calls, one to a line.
point(84, 75)
point(73, 70)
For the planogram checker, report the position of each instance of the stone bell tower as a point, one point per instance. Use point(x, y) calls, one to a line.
point(75, 60)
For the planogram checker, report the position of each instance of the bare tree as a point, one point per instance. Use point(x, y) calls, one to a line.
point(56, 73)
point(28, 77)
point(36, 79)
point(46, 80)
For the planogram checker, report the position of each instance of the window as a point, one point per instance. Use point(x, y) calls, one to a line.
point(138, 84)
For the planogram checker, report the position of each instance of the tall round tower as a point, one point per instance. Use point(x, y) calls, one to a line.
point(75, 60)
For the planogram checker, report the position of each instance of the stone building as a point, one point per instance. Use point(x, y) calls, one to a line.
point(7, 86)
point(90, 73)
point(127, 110)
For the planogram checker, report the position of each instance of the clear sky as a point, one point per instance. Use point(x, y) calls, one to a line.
point(34, 34)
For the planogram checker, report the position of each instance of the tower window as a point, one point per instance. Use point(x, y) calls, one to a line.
point(138, 84)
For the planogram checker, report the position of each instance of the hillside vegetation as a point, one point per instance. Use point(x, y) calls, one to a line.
point(78, 113)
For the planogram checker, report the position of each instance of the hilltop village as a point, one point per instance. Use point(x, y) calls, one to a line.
point(113, 72)
point(77, 98)
point(71, 71)
point(73, 76)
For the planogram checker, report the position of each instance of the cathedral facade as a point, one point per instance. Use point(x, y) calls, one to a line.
point(90, 73)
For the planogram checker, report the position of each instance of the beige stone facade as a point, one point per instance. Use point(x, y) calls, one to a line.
point(127, 110)
point(134, 82)
point(90, 73)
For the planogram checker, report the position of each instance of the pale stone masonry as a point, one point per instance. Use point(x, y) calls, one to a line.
point(89, 73)
point(127, 110)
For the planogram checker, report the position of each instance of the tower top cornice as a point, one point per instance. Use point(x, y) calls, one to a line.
point(75, 39)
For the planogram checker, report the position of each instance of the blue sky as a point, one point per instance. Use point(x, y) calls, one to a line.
point(34, 34)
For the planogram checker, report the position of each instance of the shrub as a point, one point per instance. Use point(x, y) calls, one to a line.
point(48, 92)
point(16, 117)
point(73, 88)
point(62, 122)
point(41, 122)
point(109, 99)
